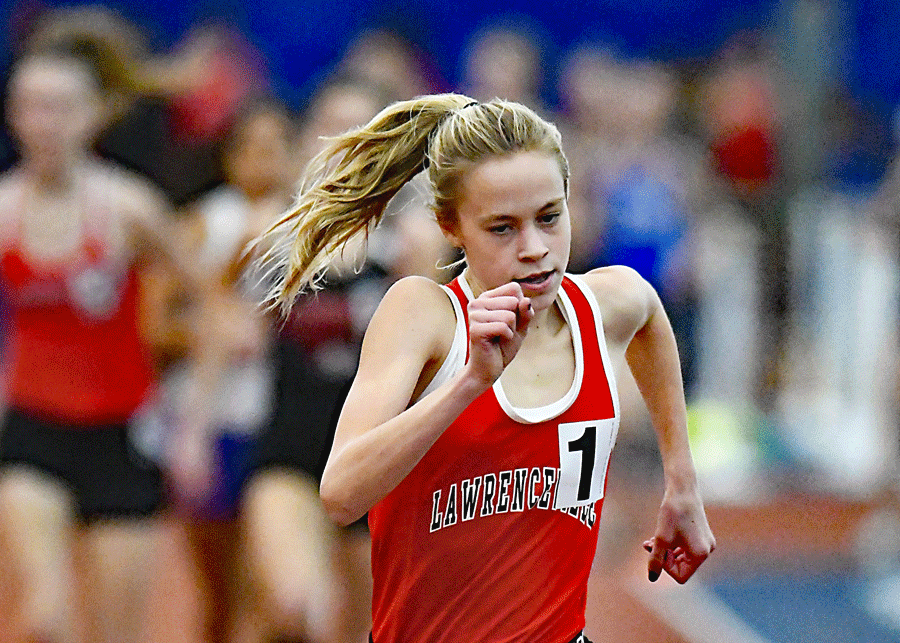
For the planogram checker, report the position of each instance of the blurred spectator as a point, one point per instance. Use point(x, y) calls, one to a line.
point(505, 62)
point(740, 113)
point(841, 357)
point(167, 112)
point(644, 197)
point(386, 58)
point(638, 188)
point(345, 100)
point(74, 230)
point(586, 92)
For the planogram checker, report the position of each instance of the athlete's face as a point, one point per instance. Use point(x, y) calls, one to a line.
point(513, 224)
point(260, 161)
point(54, 107)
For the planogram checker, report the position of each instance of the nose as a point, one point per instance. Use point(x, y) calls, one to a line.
point(532, 245)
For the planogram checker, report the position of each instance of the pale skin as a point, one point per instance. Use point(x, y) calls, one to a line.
point(513, 223)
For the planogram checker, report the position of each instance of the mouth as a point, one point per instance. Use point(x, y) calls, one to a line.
point(537, 280)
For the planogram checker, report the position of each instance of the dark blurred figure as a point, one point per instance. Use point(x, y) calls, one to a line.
point(323, 334)
point(290, 544)
point(226, 392)
point(327, 328)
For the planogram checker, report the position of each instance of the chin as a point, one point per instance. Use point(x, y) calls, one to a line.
point(544, 299)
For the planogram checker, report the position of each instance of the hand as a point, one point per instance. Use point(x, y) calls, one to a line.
point(683, 539)
point(498, 323)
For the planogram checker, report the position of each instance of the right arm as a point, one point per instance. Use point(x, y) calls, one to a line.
point(379, 437)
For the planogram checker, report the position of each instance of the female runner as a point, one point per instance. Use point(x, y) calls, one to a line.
point(73, 233)
point(478, 429)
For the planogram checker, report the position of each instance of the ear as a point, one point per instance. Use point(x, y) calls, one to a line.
point(451, 234)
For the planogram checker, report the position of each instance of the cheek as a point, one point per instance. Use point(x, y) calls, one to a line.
point(495, 267)
point(562, 240)
point(564, 246)
point(69, 127)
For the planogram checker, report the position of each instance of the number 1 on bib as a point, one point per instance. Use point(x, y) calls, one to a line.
point(584, 451)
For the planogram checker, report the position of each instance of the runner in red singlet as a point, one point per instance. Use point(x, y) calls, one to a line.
point(72, 230)
point(478, 430)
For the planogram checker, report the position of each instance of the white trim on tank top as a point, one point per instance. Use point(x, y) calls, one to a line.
point(456, 358)
point(601, 340)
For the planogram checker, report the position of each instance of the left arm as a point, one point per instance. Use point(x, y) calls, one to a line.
point(683, 539)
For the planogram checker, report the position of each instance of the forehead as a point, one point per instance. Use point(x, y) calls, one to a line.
point(511, 185)
point(342, 108)
point(53, 78)
point(263, 126)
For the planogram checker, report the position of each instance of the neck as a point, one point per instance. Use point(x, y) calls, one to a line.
point(547, 323)
point(53, 179)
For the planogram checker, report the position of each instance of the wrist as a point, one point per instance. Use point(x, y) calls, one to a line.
point(681, 479)
point(470, 384)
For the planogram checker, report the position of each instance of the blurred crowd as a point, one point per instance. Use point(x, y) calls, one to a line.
point(744, 194)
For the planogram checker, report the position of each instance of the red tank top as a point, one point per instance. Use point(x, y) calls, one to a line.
point(73, 348)
point(491, 537)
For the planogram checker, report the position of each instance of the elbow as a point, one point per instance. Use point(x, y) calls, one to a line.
point(339, 513)
point(337, 503)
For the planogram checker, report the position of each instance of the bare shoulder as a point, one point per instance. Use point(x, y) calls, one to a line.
point(11, 200)
point(408, 338)
point(116, 177)
point(11, 186)
point(625, 298)
point(133, 194)
point(416, 286)
point(417, 307)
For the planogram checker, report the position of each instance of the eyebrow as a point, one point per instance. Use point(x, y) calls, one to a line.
point(502, 216)
point(555, 203)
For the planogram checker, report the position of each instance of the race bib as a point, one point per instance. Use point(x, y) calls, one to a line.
point(584, 451)
point(96, 291)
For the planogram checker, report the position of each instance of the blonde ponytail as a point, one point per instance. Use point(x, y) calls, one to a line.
point(348, 185)
point(345, 190)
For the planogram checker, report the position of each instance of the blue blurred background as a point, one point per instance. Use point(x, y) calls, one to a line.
point(303, 40)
